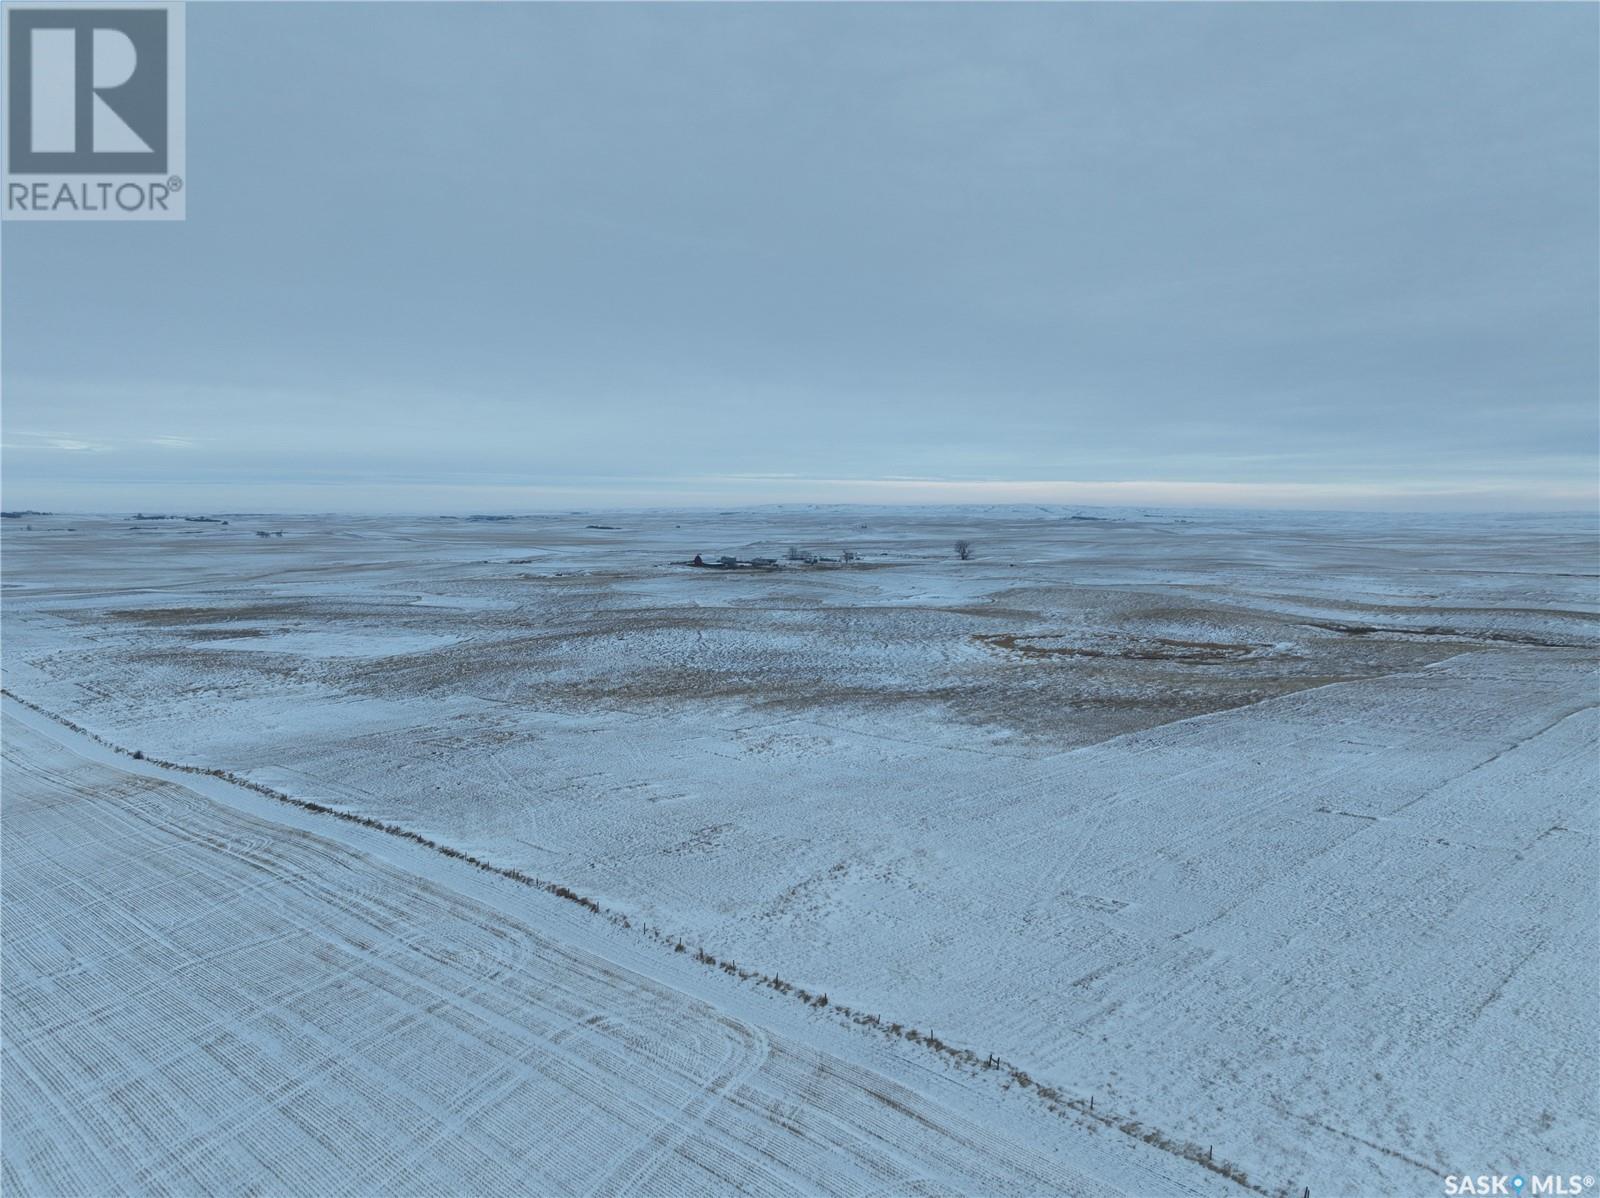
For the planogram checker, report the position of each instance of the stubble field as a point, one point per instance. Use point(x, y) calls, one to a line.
point(1272, 834)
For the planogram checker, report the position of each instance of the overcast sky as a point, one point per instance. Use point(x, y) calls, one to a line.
point(493, 257)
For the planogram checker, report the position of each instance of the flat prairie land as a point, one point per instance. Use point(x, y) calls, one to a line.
point(1274, 835)
point(199, 1000)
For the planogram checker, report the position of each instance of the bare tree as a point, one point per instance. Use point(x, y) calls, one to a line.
point(964, 550)
point(850, 555)
point(794, 553)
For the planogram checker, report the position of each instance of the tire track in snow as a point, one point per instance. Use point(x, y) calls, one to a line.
point(397, 1004)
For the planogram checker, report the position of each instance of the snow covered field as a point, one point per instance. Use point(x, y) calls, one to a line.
point(1275, 835)
point(199, 1000)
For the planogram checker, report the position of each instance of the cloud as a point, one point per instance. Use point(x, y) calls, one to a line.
point(1322, 254)
point(52, 441)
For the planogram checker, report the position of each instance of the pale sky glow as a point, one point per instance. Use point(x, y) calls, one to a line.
point(500, 256)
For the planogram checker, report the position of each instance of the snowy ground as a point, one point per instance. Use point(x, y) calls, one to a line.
point(1275, 835)
point(200, 1000)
